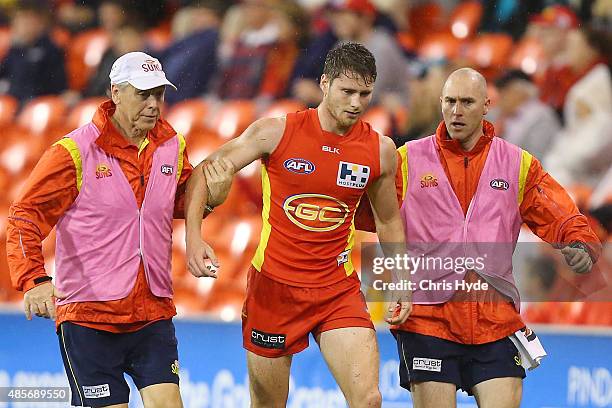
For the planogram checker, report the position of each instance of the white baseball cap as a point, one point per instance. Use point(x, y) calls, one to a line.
point(140, 70)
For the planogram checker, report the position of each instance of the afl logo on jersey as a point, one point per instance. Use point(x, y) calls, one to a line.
point(315, 212)
point(500, 184)
point(299, 166)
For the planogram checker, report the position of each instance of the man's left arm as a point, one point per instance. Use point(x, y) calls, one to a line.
point(553, 216)
point(219, 181)
point(389, 226)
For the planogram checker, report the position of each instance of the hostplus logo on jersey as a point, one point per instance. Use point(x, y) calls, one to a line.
point(352, 175)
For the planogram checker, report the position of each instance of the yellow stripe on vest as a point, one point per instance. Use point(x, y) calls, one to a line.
point(526, 159)
point(403, 151)
point(266, 228)
point(73, 149)
point(180, 156)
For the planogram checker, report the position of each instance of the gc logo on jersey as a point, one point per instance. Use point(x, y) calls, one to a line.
point(352, 175)
point(299, 166)
point(315, 212)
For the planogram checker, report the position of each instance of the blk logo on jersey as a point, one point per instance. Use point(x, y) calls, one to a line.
point(329, 149)
point(167, 169)
point(103, 170)
point(500, 184)
point(352, 175)
point(299, 166)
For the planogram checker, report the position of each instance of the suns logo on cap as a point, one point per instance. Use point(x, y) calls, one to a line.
point(151, 65)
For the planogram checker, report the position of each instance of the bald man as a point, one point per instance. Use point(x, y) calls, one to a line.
point(463, 186)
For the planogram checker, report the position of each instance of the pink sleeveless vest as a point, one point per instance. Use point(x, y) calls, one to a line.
point(104, 236)
point(439, 233)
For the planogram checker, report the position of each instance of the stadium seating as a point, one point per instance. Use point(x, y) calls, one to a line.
point(465, 19)
point(83, 54)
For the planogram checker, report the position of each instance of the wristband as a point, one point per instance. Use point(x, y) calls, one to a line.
point(42, 279)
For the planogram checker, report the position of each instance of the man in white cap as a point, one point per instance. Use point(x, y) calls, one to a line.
point(111, 188)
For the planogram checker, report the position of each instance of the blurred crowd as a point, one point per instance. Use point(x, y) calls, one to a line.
point(547, 63)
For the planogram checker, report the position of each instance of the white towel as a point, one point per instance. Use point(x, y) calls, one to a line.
point(529, 348)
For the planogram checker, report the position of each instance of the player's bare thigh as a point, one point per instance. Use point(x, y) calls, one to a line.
point(499, 393)
point(351, 354)
point(433, 394)
point(166, 395)
point(268, 380)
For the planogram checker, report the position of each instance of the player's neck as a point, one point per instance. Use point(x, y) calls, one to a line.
point(329, 123)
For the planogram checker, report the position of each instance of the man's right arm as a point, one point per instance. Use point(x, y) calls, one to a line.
point(47, 194)
point(257, 141)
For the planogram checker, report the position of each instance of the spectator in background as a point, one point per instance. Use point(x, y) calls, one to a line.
point(582, 151)
point(523, 119)
point(426, 81)
point(353, 20)
point(258, 51)
point(113, 14)
point(34, 65)
point(127, 38)
point(551, 28)
point(509, 16)
point(192, 56)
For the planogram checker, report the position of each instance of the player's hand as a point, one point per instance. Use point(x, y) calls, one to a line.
point(219, 175)
point(39, 301)
point(201, 259)
point(578, 259)
point(398, 310)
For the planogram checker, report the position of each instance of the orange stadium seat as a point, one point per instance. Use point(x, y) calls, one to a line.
point(61, 37)
point(528, 55)
point(5, 41)
point(440, 46)
point(406, 40)
point(489, 53)
point(283, 107)
point(158, 38)
point(233, 117)
point(380, 119)
point(465, 19)
point(83, 112)
point(43, 117)
point(83, 55)
point(8, 108)
point(188, 116)
point(424, 19)
point(201, 144)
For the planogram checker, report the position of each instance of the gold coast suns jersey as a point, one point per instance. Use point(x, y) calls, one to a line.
point(312, 184)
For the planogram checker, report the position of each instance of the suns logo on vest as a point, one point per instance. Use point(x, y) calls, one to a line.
point(500, 184)
point(429, 180)
point(103, 170)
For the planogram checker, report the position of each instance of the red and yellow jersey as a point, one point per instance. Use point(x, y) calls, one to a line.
point(312, 184)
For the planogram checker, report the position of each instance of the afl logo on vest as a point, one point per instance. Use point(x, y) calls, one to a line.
point(299, 166)
point(500, 184)
point(167, 169)
point(151, 65)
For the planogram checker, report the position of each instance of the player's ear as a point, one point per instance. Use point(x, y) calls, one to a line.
point(324, 84)
point(487, 104)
